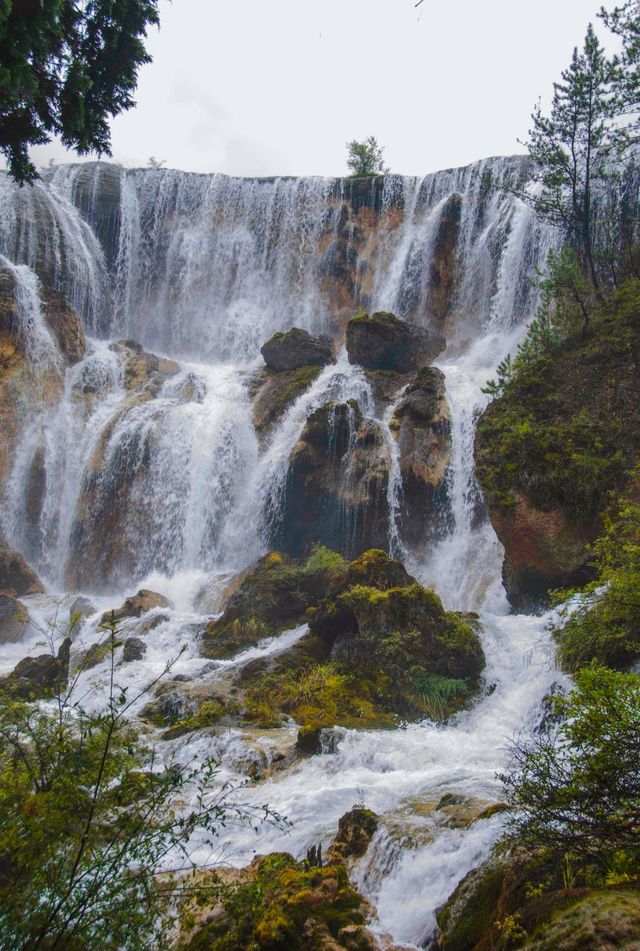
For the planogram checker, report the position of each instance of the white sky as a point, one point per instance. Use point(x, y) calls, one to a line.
point(277, 87)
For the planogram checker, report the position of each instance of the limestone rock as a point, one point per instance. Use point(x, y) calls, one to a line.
point(17, 577)
point(336, 492)
point(296, 348)
point(273, 393)
point(443, 263)
point(65, 324)
point(81, 609)
point(134, 649)
point(143, 371)
point(422, 428)
point(137, 605)
point(355, 832)
point(14, 620)
point(384, 342)
point(36, 678)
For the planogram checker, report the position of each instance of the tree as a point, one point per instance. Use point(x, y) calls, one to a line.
point(88, 817)
point(605, 624)
point(573, 149)
point(574, 788)
point(365, 158)
point(624, 22)
point(66, 68)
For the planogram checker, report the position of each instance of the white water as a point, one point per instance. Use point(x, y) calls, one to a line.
point(204, 269)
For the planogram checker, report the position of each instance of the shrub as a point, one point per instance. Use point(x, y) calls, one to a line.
point(574, 788)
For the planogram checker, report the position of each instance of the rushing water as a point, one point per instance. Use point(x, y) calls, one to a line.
point(203, 269)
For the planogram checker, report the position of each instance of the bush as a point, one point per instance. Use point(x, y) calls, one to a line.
point(574, 789)
point(323, 559)
point(606, 625)
point(88, 817)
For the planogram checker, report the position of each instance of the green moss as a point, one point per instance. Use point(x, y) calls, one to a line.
point(323, 559)
point(297, 382)
point(567, 428)
point(209, 714)
point(285, 906)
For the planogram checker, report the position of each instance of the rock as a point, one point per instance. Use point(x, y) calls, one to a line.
point(36, 678)
point(143, 372)
point(550, 451)
point(137, 605)
point(543, 550)
point(94, 655)
point(17, 577)
point(274, 596)
point(65, 324)
point(384, 342)
point(422, 428)
point(443, 261)
point(314, 741)
point(273, 393)
point(81, 609)
point(355, 832)
point(336, 491)
point(288, 905)
point(551, 918)
point(14, 620)
point(134, 649)
point(296, 348)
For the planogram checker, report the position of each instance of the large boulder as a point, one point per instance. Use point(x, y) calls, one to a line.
point(37, 678)
point(137, 605)
point(274, 596)
point(14, 620)
point(356, 829)
point(17, 577)
point(296, 348)
point(285, 904)
point(337, 485)
point(384, 342)
point(422, 428)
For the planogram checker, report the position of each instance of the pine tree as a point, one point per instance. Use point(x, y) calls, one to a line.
point(365, 158)
point(575, 148)
point(67, 67)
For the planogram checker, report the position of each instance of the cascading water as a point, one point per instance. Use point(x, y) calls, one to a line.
point(203, 269)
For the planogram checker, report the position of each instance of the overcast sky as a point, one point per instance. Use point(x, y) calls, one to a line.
point(266, 87)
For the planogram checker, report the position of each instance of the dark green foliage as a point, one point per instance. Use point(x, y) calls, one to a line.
point(606, 626)
point(574, 788)
point(365, 158)
point(67, 67)
point(87, 816)
point(566, 428)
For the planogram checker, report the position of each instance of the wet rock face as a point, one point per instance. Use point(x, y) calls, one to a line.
point(36, 678)
point(273, 393)
point(443, 264)
point(336, 492)
point(17, 577)
point(65, 325)
point(296, 348)
point(422, 428)
point(384, 342)
point(113, 512)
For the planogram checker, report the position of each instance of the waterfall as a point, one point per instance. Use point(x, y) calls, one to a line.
point(147, 470)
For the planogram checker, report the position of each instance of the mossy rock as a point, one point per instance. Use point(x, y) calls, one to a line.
point(272, 598)
point(296, 348)
point(383, 341)
point(273, 393)
point(355, 832)
point(283, 905)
